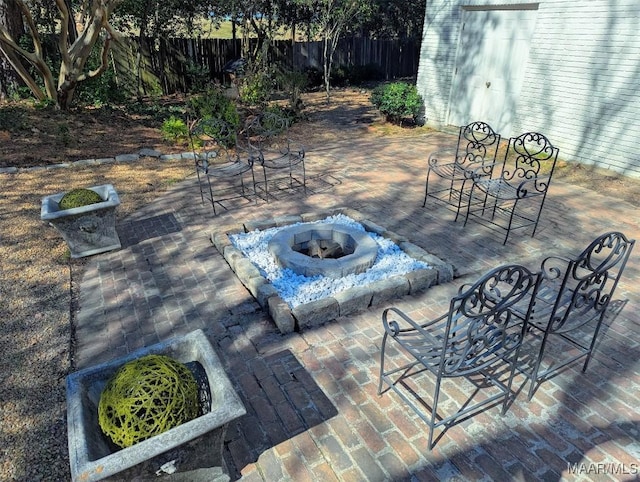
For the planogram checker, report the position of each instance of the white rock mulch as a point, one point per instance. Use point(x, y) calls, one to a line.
point(296, 289)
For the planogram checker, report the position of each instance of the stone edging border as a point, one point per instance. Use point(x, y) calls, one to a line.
point(344, 303)
point(122, 158)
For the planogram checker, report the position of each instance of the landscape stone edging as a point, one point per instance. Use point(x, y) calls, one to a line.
point(120, 158)
point(347, 302)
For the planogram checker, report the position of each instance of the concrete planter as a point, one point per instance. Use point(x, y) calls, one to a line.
point(190, 452)
point(88, 229)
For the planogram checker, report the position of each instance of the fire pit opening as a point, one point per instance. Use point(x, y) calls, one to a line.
point(325, 249)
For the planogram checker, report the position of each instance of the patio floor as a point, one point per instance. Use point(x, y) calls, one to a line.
point(312, 408)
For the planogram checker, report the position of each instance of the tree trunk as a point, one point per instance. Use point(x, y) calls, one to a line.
point(11, 19)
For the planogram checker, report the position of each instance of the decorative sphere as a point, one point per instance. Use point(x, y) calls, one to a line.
point(147, 397)
point(79, 197)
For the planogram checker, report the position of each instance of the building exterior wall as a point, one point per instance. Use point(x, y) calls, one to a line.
point(582, 81)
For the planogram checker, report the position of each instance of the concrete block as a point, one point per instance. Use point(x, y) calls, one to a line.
point(220, 240)
point(316, 312)
point(264, 292)
point(389, 289)
point(354, 299)
point(281, 315)
point(259, 225)
point(245, 269)
point(421, 279)
point(232, 255)
point(372, 227)
point(395, 237)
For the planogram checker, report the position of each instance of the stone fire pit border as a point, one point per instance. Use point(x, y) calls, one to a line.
point(344, 303)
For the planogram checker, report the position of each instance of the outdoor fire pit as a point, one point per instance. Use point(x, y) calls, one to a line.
point(317, 267)
point(323, 249)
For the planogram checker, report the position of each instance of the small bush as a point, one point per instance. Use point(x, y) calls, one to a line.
point(256, 88)
point(397, 100)
point(314, 77)
point(79, 197)
point(214, 104)
point(288, 114)
point(174, 130)
point(294, 82)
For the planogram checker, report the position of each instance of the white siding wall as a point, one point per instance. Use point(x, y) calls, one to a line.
point(582, 84)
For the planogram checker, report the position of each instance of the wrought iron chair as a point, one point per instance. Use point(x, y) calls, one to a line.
point(571, 305)
point(477, 147)
point(478, 338)
point(266, 137)
point(515, 198)
point(220, 162)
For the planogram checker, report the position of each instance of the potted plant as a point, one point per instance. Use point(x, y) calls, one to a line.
point(85, 218)
point(192, 450)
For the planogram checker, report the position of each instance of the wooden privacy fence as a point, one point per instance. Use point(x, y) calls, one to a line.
point(171, 65)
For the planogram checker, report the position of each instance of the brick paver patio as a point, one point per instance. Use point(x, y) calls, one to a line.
point(313, 412)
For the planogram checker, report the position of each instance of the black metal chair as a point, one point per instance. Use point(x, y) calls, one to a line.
point(571, 305)
point(220, 162)
point(478, 338)
point(515, 199)
point(477, 147)
point(283, 166)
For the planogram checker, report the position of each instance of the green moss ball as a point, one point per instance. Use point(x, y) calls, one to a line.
point(79, 197)
point(147, 397)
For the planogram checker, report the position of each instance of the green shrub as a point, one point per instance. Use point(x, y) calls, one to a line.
point(147, 397)
point(397, 100)
point(287, 114)
point(314, 77)
point(214, 104)
point(79, 197)
point(256, 88)
point(174, 130)
point(294, 82)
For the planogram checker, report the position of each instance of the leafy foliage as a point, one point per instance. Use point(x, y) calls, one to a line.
point(212, 103)
point(397, 100)
point(98, 91)
point(174, 130)
point(256, 87)
point(294, 82)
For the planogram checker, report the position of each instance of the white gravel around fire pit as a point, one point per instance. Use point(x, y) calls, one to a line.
point(296, 289)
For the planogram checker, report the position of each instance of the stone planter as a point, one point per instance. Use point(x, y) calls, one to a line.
point(88, 229)
point(189, 452)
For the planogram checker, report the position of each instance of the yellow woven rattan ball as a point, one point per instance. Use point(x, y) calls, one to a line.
point(147, 397)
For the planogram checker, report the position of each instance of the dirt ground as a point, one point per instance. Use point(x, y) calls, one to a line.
point(35, 299)
point(33, 137)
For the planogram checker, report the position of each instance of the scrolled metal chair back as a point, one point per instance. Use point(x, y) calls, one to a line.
point(586, 283)
point(478, 143)
point(213, 130)
point(532, 152)
point(487, 320)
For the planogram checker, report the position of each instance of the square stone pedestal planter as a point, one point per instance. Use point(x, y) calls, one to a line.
point(88, 229)
point(190, 452)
